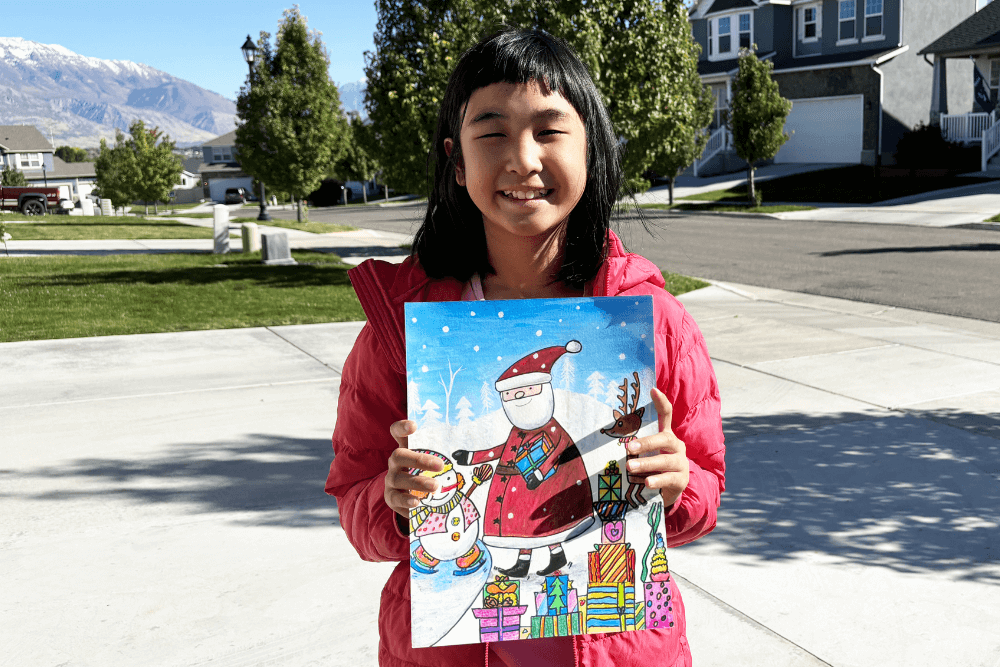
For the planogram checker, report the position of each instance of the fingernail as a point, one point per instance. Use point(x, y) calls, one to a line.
point(633, 447)
point(632, 465)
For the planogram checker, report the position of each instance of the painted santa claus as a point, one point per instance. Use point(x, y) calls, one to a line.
point(540, 495)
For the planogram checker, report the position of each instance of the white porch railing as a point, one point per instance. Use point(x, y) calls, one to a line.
point(991, 142)
point(966, 128)
point(717, 141)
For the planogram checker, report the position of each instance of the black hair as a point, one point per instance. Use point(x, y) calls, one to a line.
point(451, 242)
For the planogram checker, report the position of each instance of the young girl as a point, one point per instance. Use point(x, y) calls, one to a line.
point(526, 174)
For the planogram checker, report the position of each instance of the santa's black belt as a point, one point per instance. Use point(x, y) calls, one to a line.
point(509, 471)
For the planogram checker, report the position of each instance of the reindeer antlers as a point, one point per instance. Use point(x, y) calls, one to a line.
point(623, 388)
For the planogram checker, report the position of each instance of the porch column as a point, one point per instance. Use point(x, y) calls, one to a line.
point(939, 91)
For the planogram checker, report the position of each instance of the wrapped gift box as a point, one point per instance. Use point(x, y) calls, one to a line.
point(542, 603)
point(611, 510)
point(613, 532)
point(561, 625)
point(610, 608)
point(501, 592)
point(534, 455)
point(499, 623)
point(609, 483)
point(658, 606)
point(611, 563)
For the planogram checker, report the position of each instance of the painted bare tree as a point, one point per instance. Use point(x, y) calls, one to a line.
point(447, 390)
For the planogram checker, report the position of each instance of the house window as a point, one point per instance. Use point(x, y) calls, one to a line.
point(725, 38)
point(873, 18)
point(848, 9)
point(31, 160)
point(721, 113)
point(810, 23)
point(722, 42)
point(744, 31)
point(223, 154)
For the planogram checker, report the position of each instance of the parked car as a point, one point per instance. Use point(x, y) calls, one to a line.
point(329, 193)
point(236, 196)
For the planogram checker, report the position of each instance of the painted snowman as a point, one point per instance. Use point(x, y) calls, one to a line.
point(446, 522)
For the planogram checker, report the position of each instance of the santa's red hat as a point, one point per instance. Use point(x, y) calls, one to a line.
point(536, 367)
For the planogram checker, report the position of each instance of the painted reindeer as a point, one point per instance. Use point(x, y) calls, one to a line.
point(627, 423)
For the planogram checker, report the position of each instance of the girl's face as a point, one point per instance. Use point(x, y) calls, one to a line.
point(524, 158)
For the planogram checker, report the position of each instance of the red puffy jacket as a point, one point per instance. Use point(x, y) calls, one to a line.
point(373, 396)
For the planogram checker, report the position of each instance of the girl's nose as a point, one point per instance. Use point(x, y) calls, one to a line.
point(525, 156)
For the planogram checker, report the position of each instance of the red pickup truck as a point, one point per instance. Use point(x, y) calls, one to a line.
point(31, 200)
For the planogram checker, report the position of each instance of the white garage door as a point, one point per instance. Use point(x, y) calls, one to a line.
point(824, 129)
point(217, 186)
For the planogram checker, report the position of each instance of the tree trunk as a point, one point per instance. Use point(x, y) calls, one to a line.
point(386, 186)
point(364, 192)
point(751, 190)
point(146, 205)
point(156, 211)
point(345, 196)
point(671, 188)
point(298, 214)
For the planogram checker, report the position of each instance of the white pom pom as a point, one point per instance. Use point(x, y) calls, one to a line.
point(573, 346)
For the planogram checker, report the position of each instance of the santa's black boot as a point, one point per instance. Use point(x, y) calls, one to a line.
point(557, 559)
point(520, 569)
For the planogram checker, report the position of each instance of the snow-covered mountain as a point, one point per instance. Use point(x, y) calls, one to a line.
point(352, 97)
point(78, 100)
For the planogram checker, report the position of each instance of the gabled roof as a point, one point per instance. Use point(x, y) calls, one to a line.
point(192, 165)
point(726, 5)
point(22, 138)
point(61, 169)
point(979, 30)
point(227, 139)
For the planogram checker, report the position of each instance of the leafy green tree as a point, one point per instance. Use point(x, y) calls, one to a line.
point(417, 44)
point(640, 53)
point(12, 177)
point(159, 168)
point(117, 171)
point(71, 154)
point(291, 128)
point(650, 82)
point(757, 115)
point(357, 162)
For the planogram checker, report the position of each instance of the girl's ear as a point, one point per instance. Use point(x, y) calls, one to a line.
point(449, 146)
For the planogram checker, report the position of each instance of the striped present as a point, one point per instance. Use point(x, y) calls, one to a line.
point(499, 623)
point(610, 607)
point(611, 563)
point(562, 625)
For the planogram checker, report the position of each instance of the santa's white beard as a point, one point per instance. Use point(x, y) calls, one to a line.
point(537, 412)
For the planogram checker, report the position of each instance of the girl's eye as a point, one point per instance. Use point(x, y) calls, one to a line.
point(549, 132)
point(492, 134)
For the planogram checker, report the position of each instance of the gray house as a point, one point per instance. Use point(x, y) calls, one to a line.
point(220, 168)
point(24, 148)
point(976, 39)
point(855, 83)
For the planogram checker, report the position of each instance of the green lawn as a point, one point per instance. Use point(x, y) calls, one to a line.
point(730, 208)
point(99, 228)
point(856, 184)
point(678, 284)
point(314, 227)
point(68, 297)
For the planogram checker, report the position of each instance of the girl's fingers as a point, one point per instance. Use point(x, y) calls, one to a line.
point(664, 411)
point(401, 430)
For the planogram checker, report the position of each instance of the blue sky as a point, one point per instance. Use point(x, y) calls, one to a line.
point(615, 332)
point(194, 40)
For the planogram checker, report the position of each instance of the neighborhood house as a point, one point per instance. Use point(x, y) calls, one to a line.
point(853, 70)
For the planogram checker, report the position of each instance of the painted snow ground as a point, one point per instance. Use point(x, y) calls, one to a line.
point(455, 412)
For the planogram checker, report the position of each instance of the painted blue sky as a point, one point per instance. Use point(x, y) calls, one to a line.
point(194, 40)
point(485, 337)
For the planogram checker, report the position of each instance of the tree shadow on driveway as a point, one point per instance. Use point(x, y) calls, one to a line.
point(264, 479)
point(899, 492)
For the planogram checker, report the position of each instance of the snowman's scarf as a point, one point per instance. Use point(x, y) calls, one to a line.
point(419, 515)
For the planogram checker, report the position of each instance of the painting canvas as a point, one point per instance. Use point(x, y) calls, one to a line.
point(537, 529)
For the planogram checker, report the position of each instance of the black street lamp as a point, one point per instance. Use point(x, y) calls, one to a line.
point(249, 50)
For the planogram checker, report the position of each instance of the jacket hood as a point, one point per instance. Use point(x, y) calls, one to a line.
point(623, 271)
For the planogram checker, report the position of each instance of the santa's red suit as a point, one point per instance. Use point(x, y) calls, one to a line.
point(519, 517)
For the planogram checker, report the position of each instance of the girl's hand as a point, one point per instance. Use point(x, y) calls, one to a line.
point(666, 468)
point(399, 482)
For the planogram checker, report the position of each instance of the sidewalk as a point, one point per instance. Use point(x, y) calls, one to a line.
point(163, 503)
point(970, 204)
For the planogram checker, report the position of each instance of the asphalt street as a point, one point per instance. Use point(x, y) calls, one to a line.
point(952, 271)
